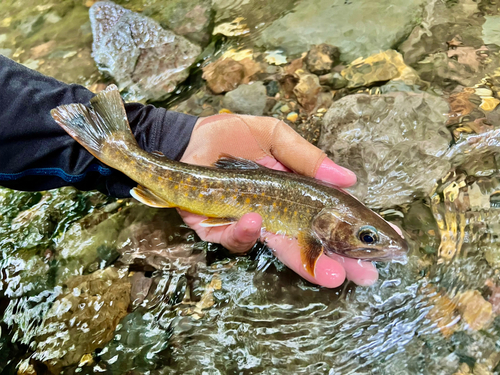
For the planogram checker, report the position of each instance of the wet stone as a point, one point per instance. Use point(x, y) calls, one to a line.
point(334, 80)
point(447, 24)
point(307, 91)
point(381, 67)
point(138, 53)
point(247, 99)
point(357, 28)
point(226, 74)
point(322, 58)
point(87, 313)
point(190, 18)
point(394, 143)
point(475, 310)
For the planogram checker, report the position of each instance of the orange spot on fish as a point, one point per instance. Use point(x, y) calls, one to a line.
point(200, 195)
point(247, 201)
point(176, 187)
point(294, 213)
point(274, 204)
point(285, 209)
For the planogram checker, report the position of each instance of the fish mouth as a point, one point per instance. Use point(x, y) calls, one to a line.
point(378, 255)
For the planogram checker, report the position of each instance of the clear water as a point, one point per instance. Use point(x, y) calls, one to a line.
point(90, 284)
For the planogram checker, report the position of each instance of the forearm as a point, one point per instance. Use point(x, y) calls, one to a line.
point(36, 154)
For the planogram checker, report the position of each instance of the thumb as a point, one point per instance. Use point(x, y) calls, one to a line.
point(297, 154)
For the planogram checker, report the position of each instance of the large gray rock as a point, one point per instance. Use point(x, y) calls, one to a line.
point(394, 142)
point(140, 55)
point(247, 99)
point(357, 28)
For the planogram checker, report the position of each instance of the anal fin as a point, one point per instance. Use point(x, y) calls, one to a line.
point(149, 198)
point(310, 251)
point(216, 222)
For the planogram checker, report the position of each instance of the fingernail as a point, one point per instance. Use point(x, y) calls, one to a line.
point(331, 172)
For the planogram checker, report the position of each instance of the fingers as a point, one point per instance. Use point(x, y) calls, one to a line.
point(335, 174)
point(241, 237)
point(359, 272)
point(238, 237)
point(294, 151)
point(328, 171)
point(329, 273)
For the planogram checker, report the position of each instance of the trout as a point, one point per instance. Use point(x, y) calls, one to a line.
point(322, 217)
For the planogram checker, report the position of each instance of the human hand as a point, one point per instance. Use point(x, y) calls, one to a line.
point(275, 145)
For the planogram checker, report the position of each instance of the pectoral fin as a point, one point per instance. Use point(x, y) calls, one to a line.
point(310, 251)
point(216, 222)
point(149, 198)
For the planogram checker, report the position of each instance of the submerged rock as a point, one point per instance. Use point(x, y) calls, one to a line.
point(83, 318)
point(384, 66)
point(322, 58)
point(141, 56)
point(394, 142)
point(226, 74)
point(445, 24)
point(190, 18)
point(307, 91)
point(247, 99)
point(357, 28)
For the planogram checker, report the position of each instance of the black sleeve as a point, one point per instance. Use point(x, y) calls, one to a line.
point(36, 154)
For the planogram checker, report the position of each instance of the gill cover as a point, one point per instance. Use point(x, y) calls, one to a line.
point(360, 235)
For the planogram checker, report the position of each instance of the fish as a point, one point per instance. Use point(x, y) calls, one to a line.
point(322, 217)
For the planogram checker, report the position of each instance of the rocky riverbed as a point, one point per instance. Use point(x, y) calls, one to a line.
point(404, 93)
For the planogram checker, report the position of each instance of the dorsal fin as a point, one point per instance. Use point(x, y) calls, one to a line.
point(231, 162)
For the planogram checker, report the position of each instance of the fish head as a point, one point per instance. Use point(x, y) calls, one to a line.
point(357, 232)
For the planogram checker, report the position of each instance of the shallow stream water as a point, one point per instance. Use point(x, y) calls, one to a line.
point(91, 284)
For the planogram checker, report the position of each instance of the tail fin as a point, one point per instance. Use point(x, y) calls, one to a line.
point(92, 127)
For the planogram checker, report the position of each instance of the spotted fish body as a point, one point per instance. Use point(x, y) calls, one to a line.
point(322, 217)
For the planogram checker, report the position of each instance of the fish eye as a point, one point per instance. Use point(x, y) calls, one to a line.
point(368, 235)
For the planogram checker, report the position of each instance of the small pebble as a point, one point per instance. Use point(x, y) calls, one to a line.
point(292, 116)
point(285, 109)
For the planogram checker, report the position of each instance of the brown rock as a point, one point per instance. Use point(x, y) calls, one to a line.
point(295, 65)
point(494, 298)
point(460, 105)
point(307, 91)
point(42, 49)
point(475, 310)
point(383, 66)
point(321, 58)
point(443, 313)
point(227, 74)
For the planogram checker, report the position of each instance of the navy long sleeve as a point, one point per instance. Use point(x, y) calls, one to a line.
point(37, 154)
